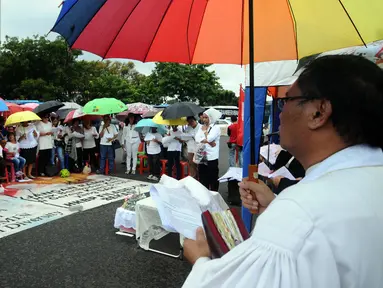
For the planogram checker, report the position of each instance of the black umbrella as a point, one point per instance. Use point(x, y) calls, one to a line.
point(181, 109)
point(48, 107)
point(61, 114)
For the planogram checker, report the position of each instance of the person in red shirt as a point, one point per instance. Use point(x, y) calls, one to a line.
point(232, 132)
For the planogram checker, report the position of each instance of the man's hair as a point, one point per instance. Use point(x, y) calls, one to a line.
point(354, 87)
point(190, 118)
point(234, 118)
point(200, 114)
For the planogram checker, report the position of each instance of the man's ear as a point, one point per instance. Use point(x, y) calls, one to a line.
point(320, 114)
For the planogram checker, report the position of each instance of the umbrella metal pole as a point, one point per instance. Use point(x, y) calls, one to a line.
point(253, 167)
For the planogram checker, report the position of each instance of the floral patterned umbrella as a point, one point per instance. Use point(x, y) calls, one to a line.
point(138, 108)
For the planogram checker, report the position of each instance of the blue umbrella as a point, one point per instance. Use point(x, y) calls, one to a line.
point(144, 125)
point(3, 106)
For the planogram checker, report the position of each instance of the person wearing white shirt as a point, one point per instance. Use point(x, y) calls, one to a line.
point(209, 134)
point(12, 149)
point(130, 142)
point(27, 135)
point(190, 132)
point(58, 143)
point(44, 127)
point(174, 152)
point(89, 143)
point(75, 134)
point(153, 148)
point(324, 231)
point(108, 133)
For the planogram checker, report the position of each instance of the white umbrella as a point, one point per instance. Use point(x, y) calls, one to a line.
point(70, 105)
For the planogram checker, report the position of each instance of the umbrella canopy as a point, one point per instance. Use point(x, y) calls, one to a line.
point(181, 109)
point(70, 105)
point(173, 122)
point(19, 117)
point(217, 31)
point(151, 114)
point(29, 106)
point(61, 114)
point(78, 113)
point(48, 107)
point(144, 125)
point(139, 108)
point(104, 106)
point(3, 106)
point(13, 108)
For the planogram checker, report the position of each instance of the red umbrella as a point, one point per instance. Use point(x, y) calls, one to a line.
point(29, 106)
point(13, 108)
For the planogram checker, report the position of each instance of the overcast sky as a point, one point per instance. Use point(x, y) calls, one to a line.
point(25, 18)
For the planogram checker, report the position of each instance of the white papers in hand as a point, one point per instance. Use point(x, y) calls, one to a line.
point(263, 170)
point(274, 152)
point(149, 137)
point(284, 172)
point(234, 173)
point(187, 137)
point(178, 210)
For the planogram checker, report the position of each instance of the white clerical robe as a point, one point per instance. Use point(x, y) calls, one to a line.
point(325, 232)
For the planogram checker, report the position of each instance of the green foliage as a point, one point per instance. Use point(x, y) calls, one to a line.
point(36, 68)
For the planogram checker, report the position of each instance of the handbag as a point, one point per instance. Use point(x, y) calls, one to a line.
point(59, 143)
point(116, 144)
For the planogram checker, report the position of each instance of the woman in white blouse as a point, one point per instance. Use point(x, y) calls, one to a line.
point(89, 143)
point(130, 142)
point(75, 135)
point(44, 127)
point(27, 136)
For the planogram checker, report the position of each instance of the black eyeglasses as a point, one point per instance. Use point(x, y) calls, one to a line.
point(282, 101)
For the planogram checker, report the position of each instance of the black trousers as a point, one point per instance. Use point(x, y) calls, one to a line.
point(44, 159)
point(154, 164)
point(89, 155)
point(174, 159)
point(208, 175)
point(78, 162)
point(2, 166)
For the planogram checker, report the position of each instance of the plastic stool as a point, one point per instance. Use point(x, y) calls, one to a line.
point(183, 173)
point(13, 173)
point(142, 167)
point(107, 167)
point(164, 162)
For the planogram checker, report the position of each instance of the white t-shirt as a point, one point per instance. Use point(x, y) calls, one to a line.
point(154, 148)
point(89, 137)
point(12, 148)
point(30, 141)
point(109, 132)
point(129, 135)
point(175, 145)
point(190, 131)
point(45, 142)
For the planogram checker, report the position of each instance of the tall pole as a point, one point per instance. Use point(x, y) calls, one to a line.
point(251, 74)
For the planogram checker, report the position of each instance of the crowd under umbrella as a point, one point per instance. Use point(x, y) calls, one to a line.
point(181, 109)
point(48, 107)
point(104, 106)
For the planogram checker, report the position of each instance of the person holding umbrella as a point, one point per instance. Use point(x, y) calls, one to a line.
point(45, 129)
point(108, 133)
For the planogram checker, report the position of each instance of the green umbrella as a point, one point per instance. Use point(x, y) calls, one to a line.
point(104, 106)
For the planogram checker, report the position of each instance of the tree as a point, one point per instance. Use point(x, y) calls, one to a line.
point(185, 82)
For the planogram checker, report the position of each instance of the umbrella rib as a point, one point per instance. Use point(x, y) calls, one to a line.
point(63, 15)
point(158, 28)
point(119, 31)
point(294, 22)
point(199, 29)
point(352, 22)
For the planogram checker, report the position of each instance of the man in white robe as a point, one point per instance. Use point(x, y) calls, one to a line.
point(327, 230)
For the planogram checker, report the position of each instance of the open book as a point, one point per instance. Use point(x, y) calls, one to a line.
point(224, 230)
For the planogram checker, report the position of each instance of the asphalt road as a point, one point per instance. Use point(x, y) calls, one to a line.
point(82, 250)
